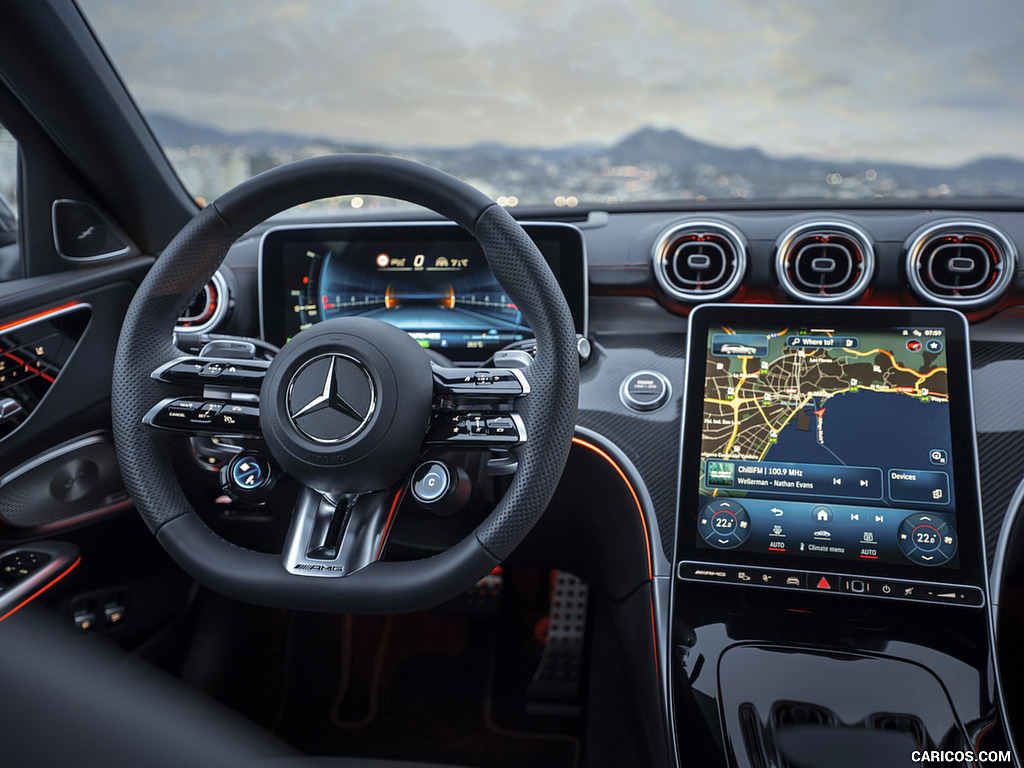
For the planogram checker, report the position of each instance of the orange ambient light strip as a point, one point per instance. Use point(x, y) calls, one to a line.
point(647, 537)
point(387, 525)
point(37, 316)
point(636, 499)
point(29, 599)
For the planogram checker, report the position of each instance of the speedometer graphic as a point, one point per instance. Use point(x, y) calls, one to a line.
point(444, 296)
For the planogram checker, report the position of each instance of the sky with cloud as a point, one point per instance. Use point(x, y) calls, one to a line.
point(938, 82)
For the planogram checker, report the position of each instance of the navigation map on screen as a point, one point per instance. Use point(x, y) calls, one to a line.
point(828, 442)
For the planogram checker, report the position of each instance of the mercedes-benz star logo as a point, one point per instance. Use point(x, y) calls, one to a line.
point(331, 398)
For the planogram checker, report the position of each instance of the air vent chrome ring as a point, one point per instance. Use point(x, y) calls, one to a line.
point(824, 262)
point(700, 260)
point(960, 263)
point(208, 309)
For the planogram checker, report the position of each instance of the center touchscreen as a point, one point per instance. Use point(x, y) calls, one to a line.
point(829, 435)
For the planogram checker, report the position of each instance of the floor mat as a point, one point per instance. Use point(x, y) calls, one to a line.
point(408, 687)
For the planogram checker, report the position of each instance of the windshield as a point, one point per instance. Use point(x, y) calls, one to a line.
point(589, 103)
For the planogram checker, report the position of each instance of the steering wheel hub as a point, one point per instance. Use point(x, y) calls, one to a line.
point(345, 404)
point(331, 398)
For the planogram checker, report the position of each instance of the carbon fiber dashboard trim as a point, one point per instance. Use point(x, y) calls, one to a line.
point(650, 440)
point(1000, 453)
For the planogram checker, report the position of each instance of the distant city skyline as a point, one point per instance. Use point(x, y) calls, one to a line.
point(937, 84)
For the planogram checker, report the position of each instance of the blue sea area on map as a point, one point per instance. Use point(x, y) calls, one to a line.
point(870, 429)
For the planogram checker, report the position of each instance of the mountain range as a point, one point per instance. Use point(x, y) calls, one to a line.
point(683, 163)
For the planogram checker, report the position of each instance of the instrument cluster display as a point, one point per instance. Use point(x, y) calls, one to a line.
point(431, 281)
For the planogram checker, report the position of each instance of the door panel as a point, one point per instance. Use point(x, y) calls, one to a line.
point(58, 469)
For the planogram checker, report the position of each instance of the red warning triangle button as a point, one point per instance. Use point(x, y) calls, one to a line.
point(823, 584)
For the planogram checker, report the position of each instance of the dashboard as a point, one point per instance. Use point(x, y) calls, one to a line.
point(809, 406)
point(632, 278)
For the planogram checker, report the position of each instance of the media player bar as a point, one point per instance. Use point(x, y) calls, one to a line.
point(776, 477)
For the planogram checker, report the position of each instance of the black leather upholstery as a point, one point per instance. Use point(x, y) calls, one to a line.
point(72, 700)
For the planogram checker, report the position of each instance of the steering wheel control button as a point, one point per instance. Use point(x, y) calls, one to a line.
point(443, 489)
point(177, 414)
point(724, 524)
point(492, 382)
point(430, 482)
point(927, 539)
point(501, 426)
point(198, 371)
point(645, 391)
point(331, 399)
point(235, 417)
point(247, 476)
point(197, 416)
point(184, 372)
point(205, 413)
point(249, 473)
point(498, 429)
point(211, 370)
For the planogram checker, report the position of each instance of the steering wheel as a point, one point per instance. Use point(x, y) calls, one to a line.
point(347, 407)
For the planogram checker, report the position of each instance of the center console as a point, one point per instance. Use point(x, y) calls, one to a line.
point(830, 601)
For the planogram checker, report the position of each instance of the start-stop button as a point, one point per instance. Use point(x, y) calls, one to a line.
point(645, 391)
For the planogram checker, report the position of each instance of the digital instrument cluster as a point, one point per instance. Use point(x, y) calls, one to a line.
point(430, 280)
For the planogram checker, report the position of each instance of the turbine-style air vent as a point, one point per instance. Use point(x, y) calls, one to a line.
point(960, 264)
point(826, 262)
point(700, 260)
point(207, 309)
